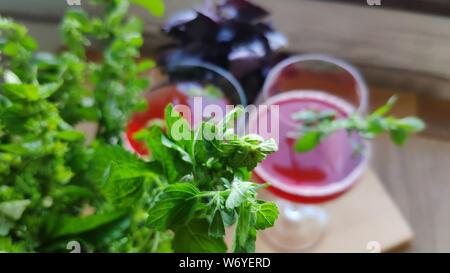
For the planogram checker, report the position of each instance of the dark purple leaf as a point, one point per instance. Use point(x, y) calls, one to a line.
point(277, 40)
point(199, 28)
point(242, 67)
point(233, 35)
point(179, 19)
point(252, 49)
point(241, 10)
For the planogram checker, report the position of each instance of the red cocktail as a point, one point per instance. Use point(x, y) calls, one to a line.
point(178, 94)
point(297, 180)
point(186, 82)
point(321, 174)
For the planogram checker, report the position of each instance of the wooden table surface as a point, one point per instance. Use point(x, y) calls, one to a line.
point(417, 175)
point(418, 178)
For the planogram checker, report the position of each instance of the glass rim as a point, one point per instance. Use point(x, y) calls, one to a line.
point(211, 67)
point(362, 89)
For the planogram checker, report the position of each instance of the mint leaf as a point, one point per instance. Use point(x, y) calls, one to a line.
point(316, 126)
point(8, 246)
point(238, 193)
point(412, 124)
point(308, 142)
point(398, 136)
point(46, 90)
point(145, 65)
point(76, 225)
point(228, 121)
point(386, 108)
point(22, 91)
point(228, 217)
point(154, 7)
point(123, 175)
point(14, 209)
point(193, 238)
point(169, 144)
point(248, 151)
point(178, 128)
point(174, 207)
point(115, 163)
point(161, 153)
point(124, 192)
point(70, 135)
point(216, 227)
point(245, 233)
point(11, 77)
point(6, 225)
point(266, 215)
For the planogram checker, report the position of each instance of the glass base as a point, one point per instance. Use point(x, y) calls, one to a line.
point(298, 228)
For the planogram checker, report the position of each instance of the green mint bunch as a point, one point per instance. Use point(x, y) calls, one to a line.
point(115, 82)
point(46, 199)
point(35, 147)
point(194, 186)
point(318, 125)
point(49, 193)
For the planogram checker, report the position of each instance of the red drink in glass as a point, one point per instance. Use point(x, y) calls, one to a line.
point(321, 174)
point(178, 94)
point(299, 181)
point(186, 82)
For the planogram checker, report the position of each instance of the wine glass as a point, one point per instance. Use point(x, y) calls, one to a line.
point(184, 84)
point(301, 181)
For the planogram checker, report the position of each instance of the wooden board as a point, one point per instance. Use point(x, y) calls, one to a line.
point(417, 177)
point(365, 215)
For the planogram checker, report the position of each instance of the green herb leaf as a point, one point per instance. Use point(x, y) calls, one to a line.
point(76, 225)
point(70, 135)
point(248, 151)
point(14, 209)
point(238, 193)
point(174, 207)
point(216, 227)
point(308, 141)
point(266, 215)
point(164, 155)
point(412, 124)
point(22, 91)
point(245, 232)
point(169, 144)
point(385, 109)
point(317, 126)
point(154, 7)
point(193, 238)
point(11, 78)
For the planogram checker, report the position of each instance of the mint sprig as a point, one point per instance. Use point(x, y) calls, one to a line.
point(318, 125)
point(202, 184)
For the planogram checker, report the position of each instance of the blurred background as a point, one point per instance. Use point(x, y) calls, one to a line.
point(401, 47)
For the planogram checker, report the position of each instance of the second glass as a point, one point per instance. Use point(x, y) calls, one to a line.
point(183, 83)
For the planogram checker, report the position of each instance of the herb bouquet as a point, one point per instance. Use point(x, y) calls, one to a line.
point(57, 192)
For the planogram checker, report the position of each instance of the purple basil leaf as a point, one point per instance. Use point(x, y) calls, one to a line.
point(226, 34)
point(200, 28)
point(244, 66)
point(241, 10)
point(233, 35)
point(179, 19)
point(277, 40)
point(252, 49)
